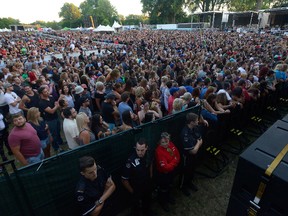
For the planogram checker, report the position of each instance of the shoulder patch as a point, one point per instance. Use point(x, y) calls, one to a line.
point(128, 165)
point(80, 198)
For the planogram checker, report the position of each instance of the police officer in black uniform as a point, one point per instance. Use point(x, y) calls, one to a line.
point(94, 188)
point(191, 141)
point(136, 178)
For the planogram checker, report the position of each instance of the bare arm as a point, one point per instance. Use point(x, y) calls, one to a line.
point(52, 110)
point(109, 189)
point(22, 103)
point(18, 155)
point(197, 147)
point(85, 137)
point(127, 185)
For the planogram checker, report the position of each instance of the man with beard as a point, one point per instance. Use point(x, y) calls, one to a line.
point(24, 142)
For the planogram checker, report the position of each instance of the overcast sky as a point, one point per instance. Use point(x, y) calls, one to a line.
point(28, 11)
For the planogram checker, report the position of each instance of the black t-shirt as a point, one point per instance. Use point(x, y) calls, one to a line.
point(34, 101)
point(88, 192)
point(137, 171)
point(107, 110)
point(101, 97)
point(43, 104)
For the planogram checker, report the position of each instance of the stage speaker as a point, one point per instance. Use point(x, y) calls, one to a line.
point(285, 119)
point(250, 174)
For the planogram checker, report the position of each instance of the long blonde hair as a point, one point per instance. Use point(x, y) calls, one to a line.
point(32, 115)
point(80, 120)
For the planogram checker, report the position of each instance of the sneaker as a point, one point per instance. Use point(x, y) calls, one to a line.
point(185, 191)
point(193, 187)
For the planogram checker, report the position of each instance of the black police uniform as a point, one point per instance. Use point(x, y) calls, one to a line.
point(189, 139)
point(88, 192)
point(137, 172)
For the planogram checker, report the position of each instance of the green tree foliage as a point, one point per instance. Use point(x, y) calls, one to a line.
point(280, 3)
point(71, 15)
point(133, 19)
point(246, 5)
point(161, 11)
point(6, 22)
point(206, 5)
point(101, 10)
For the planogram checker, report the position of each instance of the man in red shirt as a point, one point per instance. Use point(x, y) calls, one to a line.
point(167, 159)
point(24, 142)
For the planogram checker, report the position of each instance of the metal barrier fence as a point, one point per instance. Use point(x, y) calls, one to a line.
point(48, 188)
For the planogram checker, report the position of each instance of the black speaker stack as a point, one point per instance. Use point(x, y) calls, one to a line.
point(260, 185)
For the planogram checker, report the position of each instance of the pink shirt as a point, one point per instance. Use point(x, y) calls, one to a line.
point(27, 139)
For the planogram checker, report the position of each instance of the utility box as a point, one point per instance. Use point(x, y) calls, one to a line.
point(251, 173)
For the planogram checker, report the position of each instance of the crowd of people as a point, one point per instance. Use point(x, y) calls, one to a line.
point(128, 79)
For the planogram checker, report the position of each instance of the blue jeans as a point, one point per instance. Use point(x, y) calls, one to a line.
point(111, 126)
point(54, 127)
point(36, 159)
point(209, 116)
point(44, 143)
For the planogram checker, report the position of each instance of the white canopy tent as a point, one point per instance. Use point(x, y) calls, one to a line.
point(101, 28)
point(116, 25)
point(5, 30)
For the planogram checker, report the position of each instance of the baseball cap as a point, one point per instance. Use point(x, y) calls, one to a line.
point(78, 89)
point(173, 90)
point(7, 85)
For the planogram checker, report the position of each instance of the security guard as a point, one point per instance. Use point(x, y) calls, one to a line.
point(136, 178)
point(191, 142)
point(94, 187)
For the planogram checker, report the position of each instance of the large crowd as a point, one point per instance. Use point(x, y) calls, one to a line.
point(152, 74)
point(85, 86)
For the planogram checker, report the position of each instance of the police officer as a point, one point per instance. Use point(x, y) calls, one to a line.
point(136, 178)
point(94, 187)
point(191, 142)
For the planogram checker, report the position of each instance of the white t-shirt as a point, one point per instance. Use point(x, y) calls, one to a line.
point(70, 131)
point(11, 98)
point(242, 70)
point(2, 124)
point(2, 98)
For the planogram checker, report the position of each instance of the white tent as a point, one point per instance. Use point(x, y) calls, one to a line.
point(5, 30)
point(116, 25)
point(101, 28)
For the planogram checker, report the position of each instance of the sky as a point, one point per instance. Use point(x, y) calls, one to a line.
point(28, 11)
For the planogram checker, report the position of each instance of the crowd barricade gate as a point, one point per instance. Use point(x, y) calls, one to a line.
point(47, 188)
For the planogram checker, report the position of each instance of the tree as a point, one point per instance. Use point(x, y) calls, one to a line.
point(101, 10)
point(6, 22)
point(280, 3)
point(206, 5)
point(246, 5)
point(162, 12)
point(133, 19)
point(71, 15)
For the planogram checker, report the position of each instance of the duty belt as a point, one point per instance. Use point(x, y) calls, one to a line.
point(254, 204)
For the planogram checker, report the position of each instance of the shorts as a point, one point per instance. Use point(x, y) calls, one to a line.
point(36, 159)
point(44, 143)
